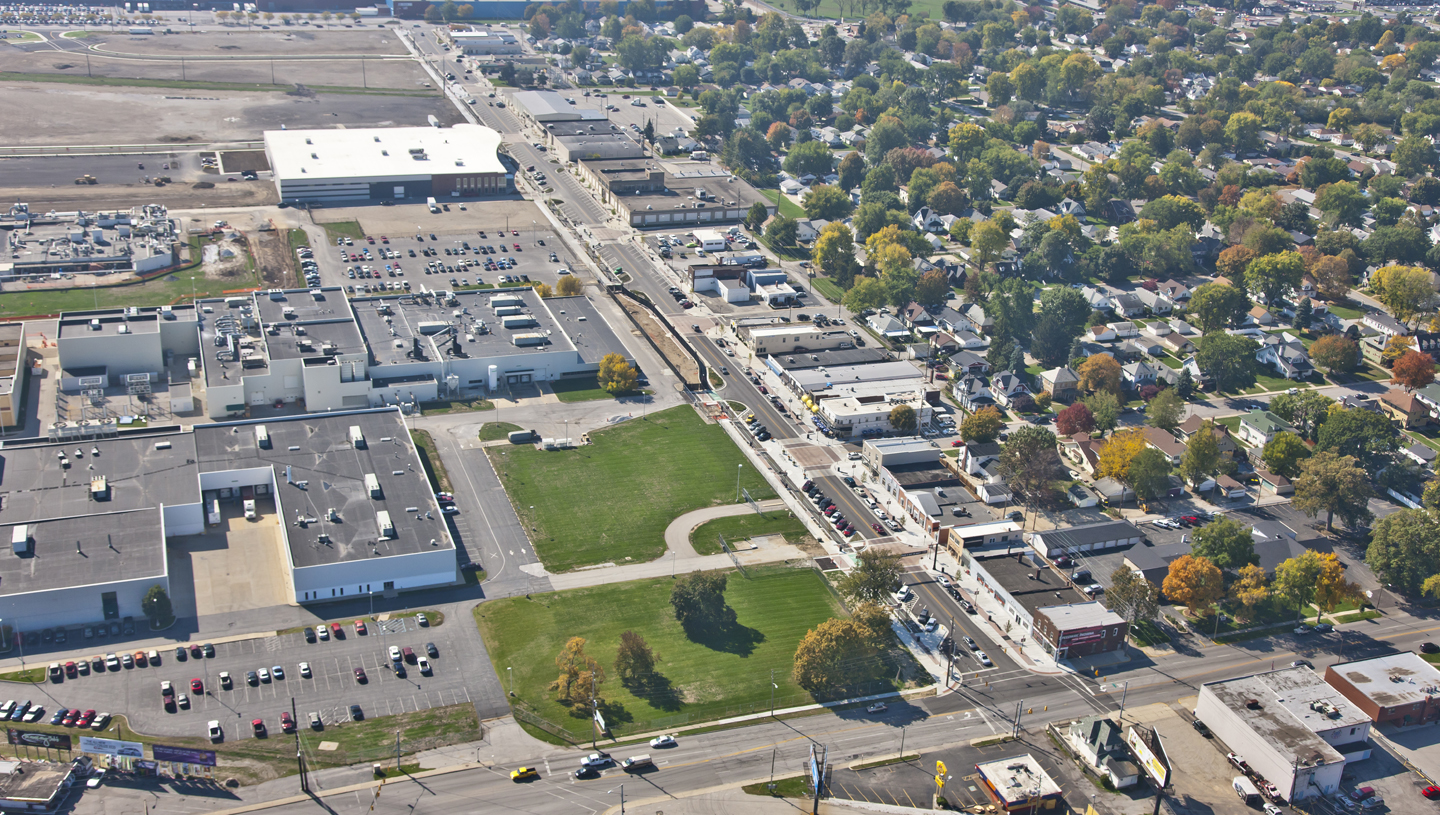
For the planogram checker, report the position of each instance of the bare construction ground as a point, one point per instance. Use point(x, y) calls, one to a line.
point(480, 213)
point(304, 42)
point(69, 197)
point(132, 115)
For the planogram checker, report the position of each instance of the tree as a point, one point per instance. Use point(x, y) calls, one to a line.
point(1194, 582)
point(1297, 578)
point(1119, 450)
point(1149, 474)
point(987, 239)
point(1336, 485)
point(579, 674)
point(1229, 360)
point(841, 651)
point(1234, 260)
point(1395, 348)
point(1343, 202)
point(811, 157)
point(155, 605)
point(1185, 385)
point(826, 202)
point(756, 216)
point(617, 375)
point(874, 578)
point(1413, 155)
point(1331, 587)
point(1166, 410)
point(852, 170)
point(1226, 543)
point(1336, 353)
point(1100, 373)
point(1251, 588)
point(1413, 370)
point(699, 602)
point(1332, 277)
point(1214, 305)
point(1105, 409)
point(932, 287)
point(1366, 435)
point(782, 231)
point(1284, 453)
point(1029, 464)
point(1275, 275)
point(947, 199)
point(569, 285)
point(1405, 548)
point(903, 419)
point(866, 293)
point(982, 426)
point(1172, 210)
point(779, 134)
point(635, 661)
point(834, 254)
point(1074, 419)
point(1305, 411)
point(1202, 455)
point(1405, 290)
point(542, 289)
point(1132, 596)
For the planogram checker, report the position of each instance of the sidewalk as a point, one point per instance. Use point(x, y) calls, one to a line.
point(1031, 656)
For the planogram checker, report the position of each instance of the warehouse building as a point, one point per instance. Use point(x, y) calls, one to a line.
point(14, 366)
point(1080, 630)
point(1294, 730)
point(1076, 540)
point(484, 41)
point(589, 140)
point(88, 521)
point(140, 240)
point(649, 193)
point(1399, 689)
point(543, 107)
point(386, 164)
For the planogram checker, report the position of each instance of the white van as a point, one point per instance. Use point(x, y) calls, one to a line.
point(634, 763)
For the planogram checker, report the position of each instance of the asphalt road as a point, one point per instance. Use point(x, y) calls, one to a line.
point(849, 505)
point(331, 690)
point(63, 170)
point(931, 595)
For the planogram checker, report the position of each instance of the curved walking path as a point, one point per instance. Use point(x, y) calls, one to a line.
point(677, 534)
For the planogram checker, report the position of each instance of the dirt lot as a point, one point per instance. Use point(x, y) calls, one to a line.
point(114, 115)
point(273, 258)
point(238, 161)
point(284, 42)
point(675, 357)
point(68, 198)
point(489, 214)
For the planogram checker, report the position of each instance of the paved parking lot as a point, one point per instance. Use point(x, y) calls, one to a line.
point(330, 691)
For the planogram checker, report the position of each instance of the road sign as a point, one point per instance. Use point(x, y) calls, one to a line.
point(940, 774)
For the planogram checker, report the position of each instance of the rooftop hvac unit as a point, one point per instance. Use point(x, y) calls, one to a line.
point(20, 539)
point(262, 436)
point(357, 438)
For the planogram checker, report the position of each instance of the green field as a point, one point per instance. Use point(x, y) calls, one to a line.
point(343, 229)
point(1349, 311)
point(495, 431)
point(430, 460)
point(725, 676)
point(610, 500)
point(828, 289)
point(705, 537)
point(165, 289)
point(586, 390)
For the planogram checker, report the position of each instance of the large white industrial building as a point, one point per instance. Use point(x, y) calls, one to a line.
point(385, 164)
point(89, 519)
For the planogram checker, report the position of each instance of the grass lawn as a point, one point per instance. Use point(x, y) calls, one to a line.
point(430, 458)
point(585, 390)
point(706, 540)
point(494, 431)
point(1146, 632)
point(1232, 422)
point(796, 786)
point(454, 406)
point(828, 289)
point(1426, 436)
point(1349, 311)
point(1265, 382)
point(787, 207)
point(165, 289)
point(727, 675)
point(611, 500)
point(343, 229)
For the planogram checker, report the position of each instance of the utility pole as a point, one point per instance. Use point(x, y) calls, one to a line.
point(594, 709)
point(773, 686)
point(299, 753)
point(1015, 731)
point(397, 751)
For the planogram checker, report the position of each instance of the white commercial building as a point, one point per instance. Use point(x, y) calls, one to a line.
point(383, 164)
point(1293, 729)
point(486, 41)
point(849, 417)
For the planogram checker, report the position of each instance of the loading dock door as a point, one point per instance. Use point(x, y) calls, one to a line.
point(517, 379)
point(400, 192)
point(110, 605)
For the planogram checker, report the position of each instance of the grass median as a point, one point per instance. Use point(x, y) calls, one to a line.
point(609, 501)
point(430, 459)
point(725, 676)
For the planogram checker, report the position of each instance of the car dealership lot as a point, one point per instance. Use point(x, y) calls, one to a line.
point(330, 691)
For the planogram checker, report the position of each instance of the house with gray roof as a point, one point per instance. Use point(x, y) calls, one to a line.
point(1258, 427)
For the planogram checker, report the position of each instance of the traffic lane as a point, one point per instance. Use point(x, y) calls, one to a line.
point(575, 201)
point(739, 388)
point(850, 506)
point(934, 597)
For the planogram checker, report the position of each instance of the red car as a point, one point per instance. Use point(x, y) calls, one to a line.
point(360, 676)
point(337, 631)
point(70, 717)
point(384, 239)
point(85, 719)
point(956, 443)
point(258, 725)
point(287, 723)
point(141, 660)
point(360, 627)
point(1432, 792)
point(517, 248)
point(878, 529)
point(70, 669)
point(196, 686)
point(515, 232)
point(370, 239)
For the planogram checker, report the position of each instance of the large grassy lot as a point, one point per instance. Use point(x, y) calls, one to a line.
point(729, 675)
point(706, 537)
point(610, 500)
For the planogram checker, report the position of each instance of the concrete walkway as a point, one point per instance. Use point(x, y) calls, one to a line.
point(677, 534)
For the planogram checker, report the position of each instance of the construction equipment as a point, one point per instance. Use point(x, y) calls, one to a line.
point(86, 179)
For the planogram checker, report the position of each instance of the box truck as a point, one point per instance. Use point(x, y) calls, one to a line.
point(434, 207)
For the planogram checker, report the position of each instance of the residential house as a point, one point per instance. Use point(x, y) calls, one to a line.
point(942, 342)
point(1098, 740)
point(928, 220)
point(1173, 290)
point(1286, 356)
point(807, 230)
point(1084, 451)
point(1158, 304)
point(1273, 483)
point(1177, 343)
point(1259, 315)
point(1192, 425)
point(1165, 443)
point(1061, 383)
point(1120, 211)
point(1385, 325)
point(1405, 408)
point(1127, 305)
point(1258, 427)
point(973, 393)
point(917, 318)
point(1102, 333)
point(1125, 330)
point(1148, 346)
point(1420, 454)
point(1138, 374)
point(980, 322)
point(1007, 388)
point(1229, 487)
point(1070, 206)
point(1429, 396)
point(1181, 327)
point(1096, 299)
point(966, 363)
point(974, 456)
point(887, 326)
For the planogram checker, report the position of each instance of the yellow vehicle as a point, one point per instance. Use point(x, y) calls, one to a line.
point(524, 774)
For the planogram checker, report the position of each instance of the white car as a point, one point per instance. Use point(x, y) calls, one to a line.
point(878, 707)
point(213, 729)
point(394, 653)
point(1271, 809)
point(305, 670)
point(663, 741)
point(984, 660)
point(263, 674)
point(943, 580)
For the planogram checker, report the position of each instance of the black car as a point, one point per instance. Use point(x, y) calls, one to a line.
point(587, 772)
point(209, 650)
point(309, 635)
point(1202, 729)
point(356, 714)
point(432, 651)
point(1429, 648)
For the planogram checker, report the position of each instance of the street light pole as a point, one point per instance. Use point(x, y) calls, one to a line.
point(773, 688)
point(738, 468)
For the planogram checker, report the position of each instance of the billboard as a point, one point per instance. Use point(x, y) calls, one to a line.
point(34, 738)
point(1146, 746)
point(111, 747)
point(183, 755)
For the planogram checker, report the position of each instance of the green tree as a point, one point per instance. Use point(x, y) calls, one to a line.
point(1243, 131)
point(1149, 474)
point(1405, 548)
point(635, 661)
point(616, 375)
point(1166, 410)
point(987, 240)
point(782, 231)
point(932, 287)
point(155, 605)
point(1229, 360)
point(984, 425)
point(1305, 411)
point(1202, 455)
point(1225, 543)
point(810, 157)
point(1104, 410)
point(852, 170)
point(1132, 596)
point(1172, 210)
point(866, 293)
point(1343, 202)
point(1284, 453)
point(874, 579)
point(568, 286)
point(1335, 485)
point(903, 420)
point(1274, 276)
point(756, 216)
point(841, 652)
point(826, 202)
point(1297, 578)
point(834, 254)
point(1413, 155)
point(699, 602)
point(1366, 435)
point(1030, 465)
point(1336, 353)
point(1214, 305)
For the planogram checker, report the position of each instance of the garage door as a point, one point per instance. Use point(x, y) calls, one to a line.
point(257, 398)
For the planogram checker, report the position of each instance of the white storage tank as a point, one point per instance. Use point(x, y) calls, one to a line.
point(494, 377)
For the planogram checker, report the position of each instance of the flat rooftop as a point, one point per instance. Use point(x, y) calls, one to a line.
point(836, 379)
point(899, 444)
point(1082, 615)
point(88, 550)
point(317, 324)
point(1392, 680)
point(391, 323)
point(719, 188)
point(551, 106)
point(34, 486)
point(111, 324)
point(587, 330)
point(1018, 779)
point(335, 472)
point(39, 781)
point(1283, 715)
point(1017, 575)
point(372, 152)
